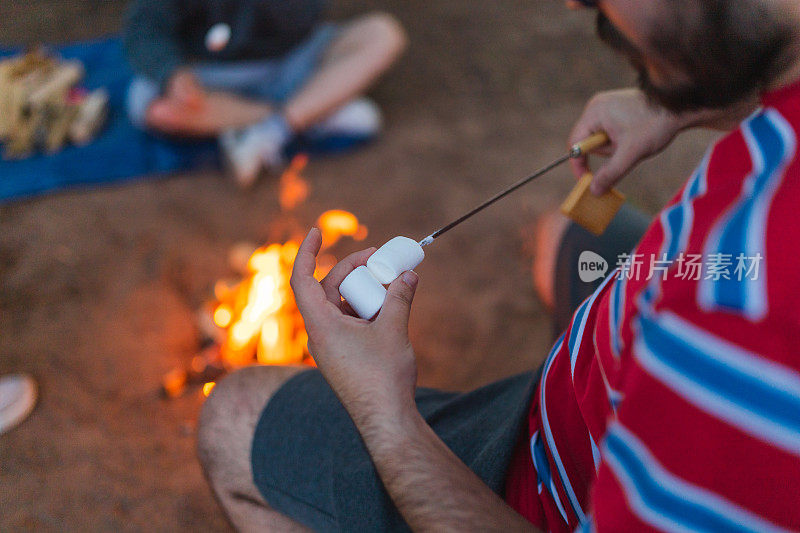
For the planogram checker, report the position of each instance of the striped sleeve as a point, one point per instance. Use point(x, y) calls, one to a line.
point(707, 437)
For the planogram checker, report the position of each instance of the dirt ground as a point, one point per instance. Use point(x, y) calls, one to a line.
point(98, 288)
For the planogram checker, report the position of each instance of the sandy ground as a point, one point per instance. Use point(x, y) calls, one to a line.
point(98, 288)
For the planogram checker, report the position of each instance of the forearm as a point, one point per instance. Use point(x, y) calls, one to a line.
point(433, 489)
point(371, 367)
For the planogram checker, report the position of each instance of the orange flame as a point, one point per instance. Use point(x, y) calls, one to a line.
point(259, 315)
point(336, 224)
point(293, 188)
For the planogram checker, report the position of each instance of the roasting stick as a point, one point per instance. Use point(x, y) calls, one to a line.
point(589, 144)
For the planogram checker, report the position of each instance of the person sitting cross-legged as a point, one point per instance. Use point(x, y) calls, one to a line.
point(255, 73)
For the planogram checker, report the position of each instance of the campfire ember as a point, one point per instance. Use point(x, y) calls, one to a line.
point(254, 319)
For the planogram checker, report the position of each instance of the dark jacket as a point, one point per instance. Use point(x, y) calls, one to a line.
point(161, 35)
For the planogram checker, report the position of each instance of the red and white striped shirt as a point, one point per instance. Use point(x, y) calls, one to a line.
point(672, 402)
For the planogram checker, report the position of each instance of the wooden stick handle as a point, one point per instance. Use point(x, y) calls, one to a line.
point(590, 144)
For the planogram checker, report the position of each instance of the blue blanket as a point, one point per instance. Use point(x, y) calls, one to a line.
point(121, 152)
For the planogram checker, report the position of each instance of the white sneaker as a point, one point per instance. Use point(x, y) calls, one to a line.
point(17, 397)
point(359, 118)
point(240, 157)
point(259, 146)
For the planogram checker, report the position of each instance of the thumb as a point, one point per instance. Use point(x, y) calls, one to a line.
point(397, 306)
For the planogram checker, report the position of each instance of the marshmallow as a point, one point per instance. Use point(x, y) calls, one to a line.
point(363, 292)
point(394, 258)
point(363, 287)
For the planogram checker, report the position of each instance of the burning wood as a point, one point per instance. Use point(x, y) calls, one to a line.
point(259, 315)
point(254, 318)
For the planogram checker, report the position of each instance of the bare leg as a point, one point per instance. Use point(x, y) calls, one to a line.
point(549, 232)
point(366, 48)
point(220, 111)
point(224, 440)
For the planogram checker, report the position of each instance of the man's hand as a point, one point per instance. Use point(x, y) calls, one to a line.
point(637, 131)
point(369, 364)
point(371, 367)
point(184, 87)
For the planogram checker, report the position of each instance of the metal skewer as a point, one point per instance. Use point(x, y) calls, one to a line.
point(591, 143)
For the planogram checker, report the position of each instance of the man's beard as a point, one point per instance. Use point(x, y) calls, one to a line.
point(725, 62)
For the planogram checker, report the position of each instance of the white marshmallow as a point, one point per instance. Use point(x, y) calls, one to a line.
point(363, 292)
point(394, 258)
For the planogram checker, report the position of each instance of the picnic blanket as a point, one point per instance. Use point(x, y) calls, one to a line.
point(121, 152)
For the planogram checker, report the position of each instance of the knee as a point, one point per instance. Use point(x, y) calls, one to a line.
point(386, 32)
point(229, 417)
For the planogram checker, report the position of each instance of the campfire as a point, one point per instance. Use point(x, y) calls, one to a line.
point(253, 319)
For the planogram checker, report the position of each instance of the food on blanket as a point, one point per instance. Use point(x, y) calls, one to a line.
point(90, 117)
point(41, 106)
point(55, 86)
point(394, 258)
point(363, 292)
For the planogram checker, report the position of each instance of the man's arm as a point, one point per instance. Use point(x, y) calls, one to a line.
point(639, 130)
point(433, 489)
point(371, 367)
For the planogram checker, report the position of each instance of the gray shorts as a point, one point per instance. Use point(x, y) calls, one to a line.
point(622, 235)
point(310, 463)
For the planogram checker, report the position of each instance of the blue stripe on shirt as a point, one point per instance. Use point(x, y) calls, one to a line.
point(543, 475)
point(759, 397)
point(549, 439)
point(742, 230)
point(666, 501)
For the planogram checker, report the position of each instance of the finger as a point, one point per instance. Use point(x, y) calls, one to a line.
point(583, 128)
point(196, 97)
point(308, 293)
point(186, 89)
point(397, 306)
point(340, 271)
point(348, 310)
point(613, 170)
point(190, 96)
point(579, 166)
point(181, 88)
point(605, 151)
